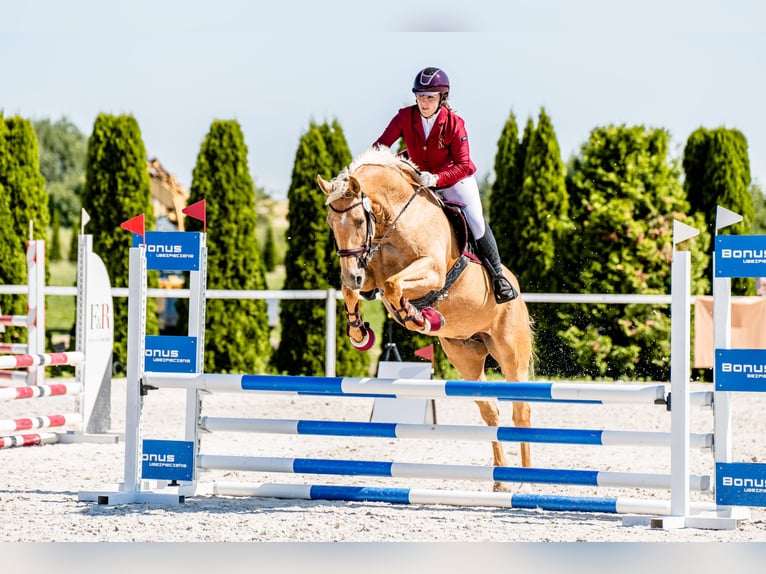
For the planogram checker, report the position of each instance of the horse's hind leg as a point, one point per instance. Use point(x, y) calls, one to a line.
point(468, 357)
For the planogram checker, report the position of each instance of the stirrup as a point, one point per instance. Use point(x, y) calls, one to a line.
point(503, 290)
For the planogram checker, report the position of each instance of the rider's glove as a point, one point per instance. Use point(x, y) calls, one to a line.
point(428, 179)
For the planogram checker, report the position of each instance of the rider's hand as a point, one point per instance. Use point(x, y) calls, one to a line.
point(428, 179)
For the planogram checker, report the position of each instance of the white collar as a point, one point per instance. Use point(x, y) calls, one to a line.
point(428, 123)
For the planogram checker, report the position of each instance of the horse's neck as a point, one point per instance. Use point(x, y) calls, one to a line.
point(423, 217)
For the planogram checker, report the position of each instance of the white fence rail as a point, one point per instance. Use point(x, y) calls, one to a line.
point(331, 296)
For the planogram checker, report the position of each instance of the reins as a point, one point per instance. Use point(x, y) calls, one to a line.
point(366, 252)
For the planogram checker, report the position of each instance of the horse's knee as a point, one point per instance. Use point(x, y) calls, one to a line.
point(490, 413)
point(522, 415)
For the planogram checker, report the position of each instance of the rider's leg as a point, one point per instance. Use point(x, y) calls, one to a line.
point(466, 191)
point(487, 252)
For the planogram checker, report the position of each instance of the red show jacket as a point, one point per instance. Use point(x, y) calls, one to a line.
point(446, 152)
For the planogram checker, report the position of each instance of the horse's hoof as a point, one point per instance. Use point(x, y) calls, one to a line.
point(368, 340)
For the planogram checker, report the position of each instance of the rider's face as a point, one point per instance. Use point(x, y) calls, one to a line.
point(428, 103)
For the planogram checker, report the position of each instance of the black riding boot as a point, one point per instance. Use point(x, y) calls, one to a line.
point(486, 248)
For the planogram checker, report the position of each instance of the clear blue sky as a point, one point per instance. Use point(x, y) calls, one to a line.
point(275, 66)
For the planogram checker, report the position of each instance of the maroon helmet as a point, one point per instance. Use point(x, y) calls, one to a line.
point(431, 80)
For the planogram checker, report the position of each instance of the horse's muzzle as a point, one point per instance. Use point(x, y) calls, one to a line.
point(354, 279)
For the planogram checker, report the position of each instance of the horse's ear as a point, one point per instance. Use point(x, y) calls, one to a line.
point(354, 186)
point(325, 186)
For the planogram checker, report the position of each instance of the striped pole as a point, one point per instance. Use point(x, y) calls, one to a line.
point(448, 432)
point(31, 423)
point(596, 393)
point(28, 439)
point(19, 377)
point(13, 320)
point(14, 348)
point(445, 471)
point(452, 498)
point(44, 359)
point(33, 392)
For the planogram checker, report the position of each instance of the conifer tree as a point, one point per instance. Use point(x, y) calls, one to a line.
point(117, 189)
point(542, 226)
point(503, 213)
point(236, 331)
point(22, 201)
point(54, 251)
point(24, 183)
point(717, 172)
point(13, 269)
point(544, 204)
point(302, 346)
point(269, 250)
point(625, 191)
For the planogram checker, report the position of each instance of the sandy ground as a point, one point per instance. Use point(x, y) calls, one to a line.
point(39, 485)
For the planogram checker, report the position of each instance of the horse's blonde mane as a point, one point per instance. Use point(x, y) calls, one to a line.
point(380, 155)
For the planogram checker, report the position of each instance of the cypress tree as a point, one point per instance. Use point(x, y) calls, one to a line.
point(302, 346)
point(542, 228)
point(54, 252)
point(236, 331)
point(116, 189)
point(269, 250)
point(543, 202)
point(625, 192)
point(22, 200)
point(717, 172)
point(503, 202)
point(13, 268)
point(24, 183)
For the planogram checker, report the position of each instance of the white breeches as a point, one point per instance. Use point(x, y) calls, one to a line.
point(466, 191)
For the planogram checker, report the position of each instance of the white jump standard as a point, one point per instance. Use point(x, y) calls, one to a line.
point(147, 479)
point(90, 421)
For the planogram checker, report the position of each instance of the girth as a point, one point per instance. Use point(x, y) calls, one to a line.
point(453, 274)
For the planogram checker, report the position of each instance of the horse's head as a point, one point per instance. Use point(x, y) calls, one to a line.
point(353, 225)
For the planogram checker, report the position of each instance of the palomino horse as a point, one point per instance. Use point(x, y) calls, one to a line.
point(393, 237)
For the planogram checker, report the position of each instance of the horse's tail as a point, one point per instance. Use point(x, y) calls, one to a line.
point(532, 354)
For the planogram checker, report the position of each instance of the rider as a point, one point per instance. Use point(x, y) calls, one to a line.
point(437, 142)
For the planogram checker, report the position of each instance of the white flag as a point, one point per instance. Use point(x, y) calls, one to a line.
point(682, 232)
point(725, 218)
point(85, 218)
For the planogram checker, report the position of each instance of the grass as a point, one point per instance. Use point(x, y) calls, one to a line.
point(61, 310)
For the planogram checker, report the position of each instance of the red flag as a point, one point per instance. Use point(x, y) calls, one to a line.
point(197, 210)
point(426, 352)
point(135, 225)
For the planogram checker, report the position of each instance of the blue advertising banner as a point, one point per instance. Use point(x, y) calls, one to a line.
point(740, 370)
point(171, 250)
point(170, 354)
point(740, 256)
point(740, 484)
point(167, 460)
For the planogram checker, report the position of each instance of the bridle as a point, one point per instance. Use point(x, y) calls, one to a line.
point(366, 252)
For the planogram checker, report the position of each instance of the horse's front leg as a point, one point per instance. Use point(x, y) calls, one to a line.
point(358, 332)
point(415, 280)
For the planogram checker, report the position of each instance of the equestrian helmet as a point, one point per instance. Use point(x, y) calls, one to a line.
point(431, 80)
